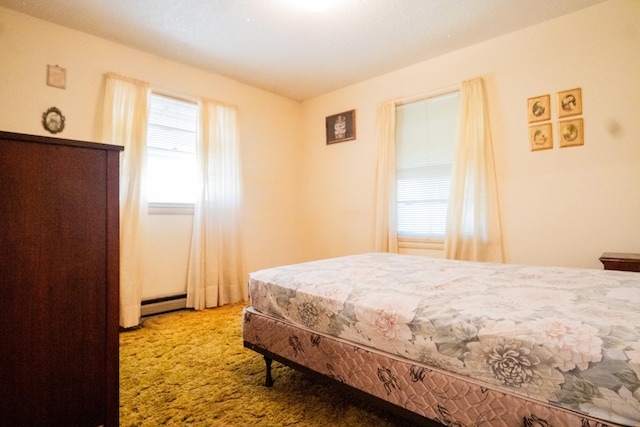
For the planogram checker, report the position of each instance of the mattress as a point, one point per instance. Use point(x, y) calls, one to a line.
point(564, 337)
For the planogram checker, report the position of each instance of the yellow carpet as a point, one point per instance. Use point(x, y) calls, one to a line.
point(189, 368)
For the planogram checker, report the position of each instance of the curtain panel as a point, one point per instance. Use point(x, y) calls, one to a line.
point(473, 219)
point(126, 112)
point(385, 233)
point(217, 273)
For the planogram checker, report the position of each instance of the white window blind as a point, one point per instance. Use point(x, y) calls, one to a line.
point(425, 148)
point(171, 150)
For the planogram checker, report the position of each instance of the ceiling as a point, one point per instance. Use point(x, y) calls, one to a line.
point(297, 48)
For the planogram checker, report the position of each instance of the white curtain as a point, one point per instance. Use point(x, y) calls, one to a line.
point(216, 274)
point(473, 220)
point(125, 123)
point(385, 235)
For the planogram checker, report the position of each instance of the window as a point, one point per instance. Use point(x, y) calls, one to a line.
point(171, 151)
point(425, 148)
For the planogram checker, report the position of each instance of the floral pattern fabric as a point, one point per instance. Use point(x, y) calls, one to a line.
point(428, 392)
point(567, 336)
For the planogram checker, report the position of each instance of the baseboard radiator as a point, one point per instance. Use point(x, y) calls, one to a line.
point(166, 304)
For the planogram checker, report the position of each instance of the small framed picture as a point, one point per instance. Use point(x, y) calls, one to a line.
point(570, 103)
point(571, 132)
point(540, 137)
point(56, 76)
point(341, 127)
point(539, 108)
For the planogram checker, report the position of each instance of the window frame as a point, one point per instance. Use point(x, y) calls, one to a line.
point(171, 208)
point(426, 242)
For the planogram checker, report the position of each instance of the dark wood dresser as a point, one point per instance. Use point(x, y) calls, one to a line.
point(59, 279)
point(620, 261)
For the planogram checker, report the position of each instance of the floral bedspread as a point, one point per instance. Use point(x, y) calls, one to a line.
point(567, 336)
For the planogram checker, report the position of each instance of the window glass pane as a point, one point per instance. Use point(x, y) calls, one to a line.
point(171, 150)
point(171, 177)
point(425, 149)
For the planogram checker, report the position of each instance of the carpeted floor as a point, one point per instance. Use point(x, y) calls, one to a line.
point(189, 368)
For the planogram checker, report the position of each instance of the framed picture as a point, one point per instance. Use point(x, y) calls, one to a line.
point(341, 127)
point(56, 76)
point(570, 103)
point(540, 137)
point(539, 108)
point(571, 132)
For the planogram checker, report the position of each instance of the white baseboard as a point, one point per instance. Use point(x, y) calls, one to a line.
point(155, 307)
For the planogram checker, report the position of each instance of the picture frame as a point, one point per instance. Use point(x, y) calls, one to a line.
point(541, 137)
point(53, 120)
point(570, 103)
point(56, 76)
point(341, 127)
point(571, 132)
point(539, 108)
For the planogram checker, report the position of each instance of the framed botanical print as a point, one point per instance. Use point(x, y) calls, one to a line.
point(540, 137)
point(539, 108)
point(571, 132)
point(570, 103)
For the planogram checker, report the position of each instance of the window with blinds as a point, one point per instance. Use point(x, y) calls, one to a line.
point(425, 148)
point(171, 150)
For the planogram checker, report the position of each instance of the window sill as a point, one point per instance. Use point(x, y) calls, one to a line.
point(170, 208)
point(415, 243)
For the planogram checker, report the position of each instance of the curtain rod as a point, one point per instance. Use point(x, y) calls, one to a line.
point(187, 98)
point(421, 96)
point(174, 95)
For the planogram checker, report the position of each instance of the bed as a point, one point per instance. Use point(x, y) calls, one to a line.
point(458, 343)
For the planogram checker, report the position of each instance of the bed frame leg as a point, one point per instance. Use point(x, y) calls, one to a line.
point(269, 380)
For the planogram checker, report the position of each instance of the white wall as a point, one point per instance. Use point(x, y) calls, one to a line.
point(269, 136)
point(306, 200)
point(558, 207)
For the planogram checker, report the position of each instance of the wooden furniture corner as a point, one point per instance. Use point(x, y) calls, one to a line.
point(620, 261)
point(59, 282)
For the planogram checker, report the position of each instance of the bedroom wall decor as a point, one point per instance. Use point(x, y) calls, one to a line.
point(56, 76)
point(539, 108)
point(341, 127)
point(53, 120)
point(570, 103)
point(571, 132)
point(541, 137)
